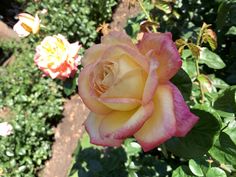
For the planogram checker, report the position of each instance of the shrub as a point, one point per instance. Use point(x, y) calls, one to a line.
point(34, 103)
point(75, 19)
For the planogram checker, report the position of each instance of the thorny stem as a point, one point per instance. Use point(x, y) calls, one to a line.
point(147, 14)
point(197, 66)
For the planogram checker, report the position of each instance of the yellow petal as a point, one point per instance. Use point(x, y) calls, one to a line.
point(122, 124)
point(84, 91)
point(131, 85)
point(162, 124)
point(92, 125)
point(121, 104)
point(94, 54)
point(115, 37)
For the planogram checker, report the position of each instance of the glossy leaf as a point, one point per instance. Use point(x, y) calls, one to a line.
point(70, 86)
point(231, 31)
point(224, 149)
point(211, 59)
point(182, 171)
point(183, 82)
point(199, 140)
point(216, 172)
point(195, 168)
point(227, 100)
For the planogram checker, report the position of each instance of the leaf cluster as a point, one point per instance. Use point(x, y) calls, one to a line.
point(31, 104)
point(78, 20)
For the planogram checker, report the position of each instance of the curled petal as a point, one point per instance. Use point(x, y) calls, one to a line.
point(116, 51)
point(122, 124)
point(165, 52)
point(92, 125)
point(120, 104)
point(84, 91)
point(36, 25)
point(74, 49)
point(151, 82)
point(20, 30)
point(27, 19)
point(131, 85)
point(101, 52)
point(115, 37)
point(162, 124)
point(185, 120)
point(93, 54)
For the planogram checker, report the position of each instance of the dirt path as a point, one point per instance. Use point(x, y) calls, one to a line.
point(67, 135)
point(68, 132)
point(6, 32)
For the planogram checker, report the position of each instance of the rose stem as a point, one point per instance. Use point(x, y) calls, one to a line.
point(197, 66)
point(147, 14)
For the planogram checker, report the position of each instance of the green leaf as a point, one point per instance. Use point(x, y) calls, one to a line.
point(164, 6)
point(218, 83)
point(199, 140)
point(226, 101)
point(224, 150)
point(182, 171)
point(231, 31)
point(195, 168)
point(133, 25)
point(131, 147)
point(70, 85)
point(183, 82)
point(189, 66)
point(211, 59)
point(222, 14)
point(216, 172)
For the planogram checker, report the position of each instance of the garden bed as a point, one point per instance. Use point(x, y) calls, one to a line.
point(42, 116)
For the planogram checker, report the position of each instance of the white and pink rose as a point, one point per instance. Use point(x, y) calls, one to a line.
point(57, 58)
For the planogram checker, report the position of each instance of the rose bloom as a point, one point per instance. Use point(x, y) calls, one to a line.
point(27, 24)
point(5, 129)
point(57, 58)
point(127, 89)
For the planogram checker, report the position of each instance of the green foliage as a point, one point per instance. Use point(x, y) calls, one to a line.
point(211, 59)
point(209, 148)
point(78, 20)
point(128, 160)
point(183, 82)
point(199, 140)
point(34, 102)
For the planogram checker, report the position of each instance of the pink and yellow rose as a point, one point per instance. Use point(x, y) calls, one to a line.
point(57, 58)
point(27, 24)
point(127, 89)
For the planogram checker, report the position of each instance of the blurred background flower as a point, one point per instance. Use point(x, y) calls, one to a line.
point(27, 24)
point(5, 129)
point(57, 58)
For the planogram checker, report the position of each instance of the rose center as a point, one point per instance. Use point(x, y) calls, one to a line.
point(104, 76)
point(55, 50)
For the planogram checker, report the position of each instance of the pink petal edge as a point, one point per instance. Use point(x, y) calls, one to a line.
point(92, 127)
point(134, 123)
point(84, 91)
point(161, 126)
point(151, 82)
point(185, 120)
